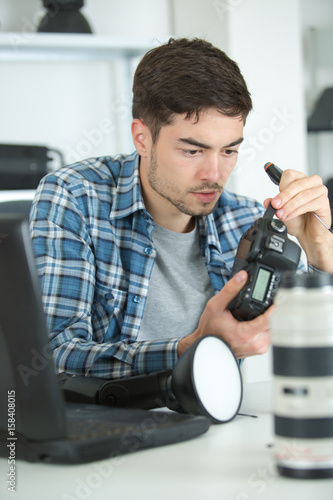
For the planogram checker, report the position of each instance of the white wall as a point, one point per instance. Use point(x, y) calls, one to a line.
point(200, 19)
point(315, 17)
point(269, 53)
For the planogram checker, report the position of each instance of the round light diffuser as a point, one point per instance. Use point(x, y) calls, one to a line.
point(207, 380)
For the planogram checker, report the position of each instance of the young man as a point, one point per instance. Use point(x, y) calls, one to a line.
point(135, 252)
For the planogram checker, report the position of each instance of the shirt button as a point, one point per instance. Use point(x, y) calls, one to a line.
point(136, 299)
point(148, 250)
point(109, 296)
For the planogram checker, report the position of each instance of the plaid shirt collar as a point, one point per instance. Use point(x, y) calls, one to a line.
point(128, 197)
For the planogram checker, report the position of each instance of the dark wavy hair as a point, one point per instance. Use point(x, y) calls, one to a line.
point(187, 76)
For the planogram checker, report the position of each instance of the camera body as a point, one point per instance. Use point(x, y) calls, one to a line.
point(265, 252)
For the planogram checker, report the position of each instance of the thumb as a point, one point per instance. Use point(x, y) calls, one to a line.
point(267, 202)
point(233, 287)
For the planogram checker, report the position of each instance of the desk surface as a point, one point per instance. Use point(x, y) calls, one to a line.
point(233, 461)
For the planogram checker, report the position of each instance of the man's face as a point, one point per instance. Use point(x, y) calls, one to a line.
point(186, 170)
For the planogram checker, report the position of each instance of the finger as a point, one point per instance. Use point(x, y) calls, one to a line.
point(289, 176)
point(295, 185)
point(267, 202)
point(233, 287)
point(311, 200)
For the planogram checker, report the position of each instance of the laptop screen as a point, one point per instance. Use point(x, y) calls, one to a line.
point(25, 355)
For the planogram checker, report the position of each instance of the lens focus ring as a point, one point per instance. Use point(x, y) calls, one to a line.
point(303, 361)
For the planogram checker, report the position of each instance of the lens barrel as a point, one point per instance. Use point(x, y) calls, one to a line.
point(302, 330)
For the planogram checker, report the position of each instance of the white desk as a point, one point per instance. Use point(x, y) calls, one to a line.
point(230, 462)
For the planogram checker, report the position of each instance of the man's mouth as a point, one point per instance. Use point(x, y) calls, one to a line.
point(206, 196)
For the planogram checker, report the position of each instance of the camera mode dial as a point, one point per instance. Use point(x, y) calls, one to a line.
point(277, 225)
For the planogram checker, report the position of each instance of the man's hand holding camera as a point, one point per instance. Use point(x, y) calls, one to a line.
point(245, 338)
point(300, 196)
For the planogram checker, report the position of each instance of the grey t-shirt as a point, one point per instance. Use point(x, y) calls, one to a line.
point(179, 287)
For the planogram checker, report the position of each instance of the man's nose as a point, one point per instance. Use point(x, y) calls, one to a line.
point(211, 169)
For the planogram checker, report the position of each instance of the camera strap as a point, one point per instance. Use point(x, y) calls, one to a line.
point(270, 212)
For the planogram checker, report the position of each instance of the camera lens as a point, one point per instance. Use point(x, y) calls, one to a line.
point(302, 329)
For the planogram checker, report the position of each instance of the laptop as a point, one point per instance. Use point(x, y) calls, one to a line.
point(36, 423)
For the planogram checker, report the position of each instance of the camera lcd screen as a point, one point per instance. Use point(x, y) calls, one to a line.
point(262, 282)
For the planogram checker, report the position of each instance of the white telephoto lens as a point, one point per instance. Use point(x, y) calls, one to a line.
point(302, 336)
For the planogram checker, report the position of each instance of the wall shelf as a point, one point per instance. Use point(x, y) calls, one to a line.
point(19, 194)
point(59, 47)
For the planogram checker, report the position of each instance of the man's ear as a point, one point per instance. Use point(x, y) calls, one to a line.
point(141, 137)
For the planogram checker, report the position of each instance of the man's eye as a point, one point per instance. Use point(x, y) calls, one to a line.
point(229, 152)
point(191, 152)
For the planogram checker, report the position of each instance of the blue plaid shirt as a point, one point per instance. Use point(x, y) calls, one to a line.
point(92, 239)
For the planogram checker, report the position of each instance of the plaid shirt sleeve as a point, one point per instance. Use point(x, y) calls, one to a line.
point(85, 330)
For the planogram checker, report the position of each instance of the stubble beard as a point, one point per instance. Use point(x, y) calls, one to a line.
point(166, 190)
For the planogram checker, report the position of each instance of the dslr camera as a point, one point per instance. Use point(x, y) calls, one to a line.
point(266, 253)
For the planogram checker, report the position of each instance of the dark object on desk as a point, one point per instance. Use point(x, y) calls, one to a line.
point(63, 16)
point(20, 207)
point(206, 380)
point(145, 392)
point(23, 166)
point(321, 119)
point(42, 427)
